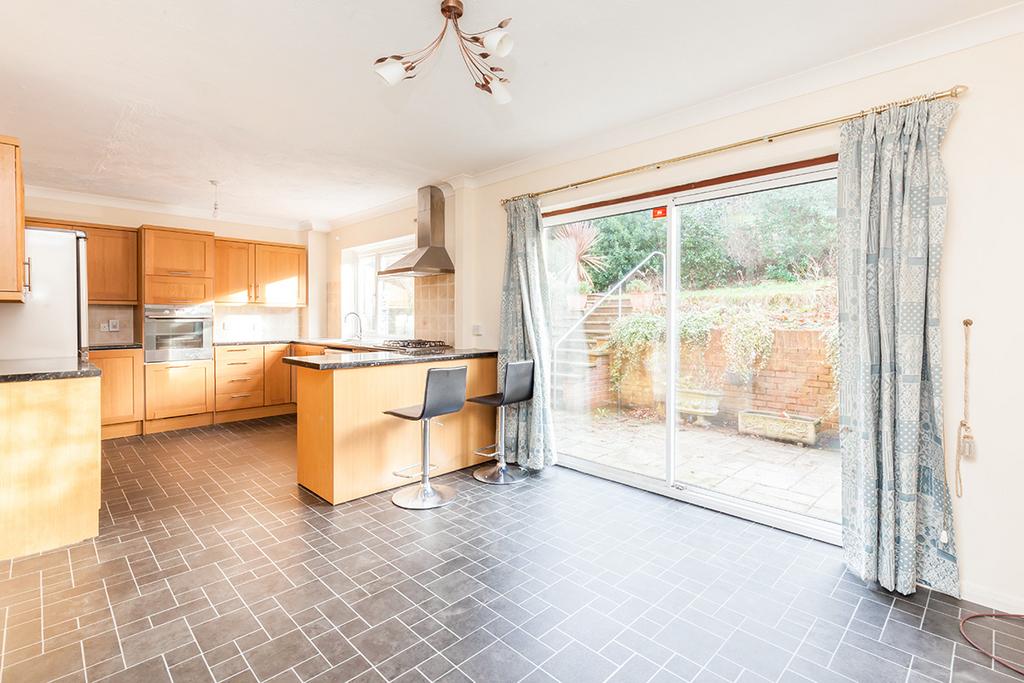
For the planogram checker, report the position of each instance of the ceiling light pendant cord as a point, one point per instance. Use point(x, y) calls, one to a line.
point(216, 197)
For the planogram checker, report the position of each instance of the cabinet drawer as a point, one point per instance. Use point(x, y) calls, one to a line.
point(237, 384)
point(227, 354)
point(240, 367)
point(239, 399)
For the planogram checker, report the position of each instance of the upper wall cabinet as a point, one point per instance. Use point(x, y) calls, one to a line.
point(12, 222)
point(113, 266)
point(270, 274)
point(177, 253)
point(178, 266)
point(280, 275)
point(236, 272)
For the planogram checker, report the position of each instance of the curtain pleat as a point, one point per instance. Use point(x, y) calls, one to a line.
point(897, 516)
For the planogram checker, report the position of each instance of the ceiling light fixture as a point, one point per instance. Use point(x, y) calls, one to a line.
point(475, 49)
point(216, 197)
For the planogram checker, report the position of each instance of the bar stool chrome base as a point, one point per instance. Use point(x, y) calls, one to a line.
point(420, 497)
point(499, 473)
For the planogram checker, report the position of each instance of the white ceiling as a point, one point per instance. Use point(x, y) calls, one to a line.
point(148, 99)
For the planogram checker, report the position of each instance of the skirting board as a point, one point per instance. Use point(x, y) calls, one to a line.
point(116, 431)
point(253, 413)
point(169, 424)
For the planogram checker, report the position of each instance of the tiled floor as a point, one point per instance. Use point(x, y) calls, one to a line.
point(781, 475)
point(212, 565)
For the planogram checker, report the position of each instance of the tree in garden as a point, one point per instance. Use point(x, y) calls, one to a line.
point(625, 241)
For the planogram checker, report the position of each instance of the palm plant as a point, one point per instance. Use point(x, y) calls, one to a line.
point(582, 236)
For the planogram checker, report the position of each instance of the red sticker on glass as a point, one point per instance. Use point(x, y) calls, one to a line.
point(659, 212)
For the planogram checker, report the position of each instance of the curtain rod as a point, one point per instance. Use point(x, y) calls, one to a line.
point(955, 91)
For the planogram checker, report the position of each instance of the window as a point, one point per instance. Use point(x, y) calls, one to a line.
point(385, 304)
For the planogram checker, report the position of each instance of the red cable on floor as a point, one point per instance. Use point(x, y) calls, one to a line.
point(979, 648)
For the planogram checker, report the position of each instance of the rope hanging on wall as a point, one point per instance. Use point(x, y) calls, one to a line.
point(965, 445)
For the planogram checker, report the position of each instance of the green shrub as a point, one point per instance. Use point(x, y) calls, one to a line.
point(631, 338)
point(747, 341)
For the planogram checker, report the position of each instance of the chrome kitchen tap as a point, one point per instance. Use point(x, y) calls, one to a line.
point(359, 329)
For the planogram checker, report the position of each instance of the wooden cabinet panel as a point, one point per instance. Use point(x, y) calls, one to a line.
point(280, 275)
point(277, 377)
point(177, 253)
point(235, 383)
point(179, 388)
point(235, 271)
point(121, 385)
point(12, 222)
point(178, 290)
point(239, 399)
point(113, 265)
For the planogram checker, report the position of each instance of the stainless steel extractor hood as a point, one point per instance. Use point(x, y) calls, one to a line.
point(430, 256)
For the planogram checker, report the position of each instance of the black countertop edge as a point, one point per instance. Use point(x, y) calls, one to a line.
point(374, 359)
point(38, 369)
point(115, 347)
point(369, 344)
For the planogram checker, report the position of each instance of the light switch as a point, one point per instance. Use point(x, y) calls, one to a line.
point(115, 325)
point(477, 331)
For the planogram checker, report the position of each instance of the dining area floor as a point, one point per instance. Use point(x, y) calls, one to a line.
point(213, 565)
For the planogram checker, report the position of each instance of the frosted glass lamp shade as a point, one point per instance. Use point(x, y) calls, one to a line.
point(501, 94)
point(392, 71)
point(498, 42)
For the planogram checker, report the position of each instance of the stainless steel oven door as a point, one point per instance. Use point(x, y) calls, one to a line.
point(174, 335)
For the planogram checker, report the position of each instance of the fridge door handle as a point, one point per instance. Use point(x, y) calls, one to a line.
point(28, 274)
point(83, 298)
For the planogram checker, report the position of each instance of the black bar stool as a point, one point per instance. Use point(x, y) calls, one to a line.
point(516, 388)
point(445, 393)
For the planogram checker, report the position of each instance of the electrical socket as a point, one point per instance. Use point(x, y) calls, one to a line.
point(104, 327)
point(478, 331)
point(115, 325)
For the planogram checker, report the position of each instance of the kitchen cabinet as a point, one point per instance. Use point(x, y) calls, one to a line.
point(178, 266)
point(277, 377)
point(239, 377)
point(12, 222)
point(235, 272)
point(178, 290)
point(113, 265)
point(178, 253)
point(280, 275)
point(121, 385)
point(179, 388)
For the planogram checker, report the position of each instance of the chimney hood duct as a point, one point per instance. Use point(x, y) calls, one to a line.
point(430, 256)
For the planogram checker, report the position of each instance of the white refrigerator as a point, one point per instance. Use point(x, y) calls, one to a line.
point(53, 322)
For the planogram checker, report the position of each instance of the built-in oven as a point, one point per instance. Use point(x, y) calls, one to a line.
point(178, 332)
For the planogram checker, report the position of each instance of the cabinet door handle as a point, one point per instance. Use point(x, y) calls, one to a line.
point(242, 348)
point(175, 367)
point(241, 379)
point(179, 272)
point(240, 395)
point(239, 362)
point(257, 288)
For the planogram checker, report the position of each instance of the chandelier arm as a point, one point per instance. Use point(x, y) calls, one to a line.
point(429, 50)
point(472, 57)
point(474, 70)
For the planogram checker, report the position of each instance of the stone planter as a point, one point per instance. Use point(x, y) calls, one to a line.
point(792, 428)
point(699, 403)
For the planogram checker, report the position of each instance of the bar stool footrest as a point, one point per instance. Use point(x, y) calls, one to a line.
point(401, 471)
point(493, 448)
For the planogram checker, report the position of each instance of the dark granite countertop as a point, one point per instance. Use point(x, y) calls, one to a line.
point(36, 369)
point(377, 358)
point(115, 347)
point(258, 342)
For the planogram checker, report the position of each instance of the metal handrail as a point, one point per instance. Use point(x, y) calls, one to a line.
point(617, 285)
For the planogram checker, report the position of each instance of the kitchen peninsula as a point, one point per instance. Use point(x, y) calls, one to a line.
point(348, 448)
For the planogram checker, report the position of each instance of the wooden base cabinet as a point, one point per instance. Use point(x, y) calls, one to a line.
point(239, 377)
point(122, 387)
point(50, 464)
point(277, 377)
point(12, 222)
point(179, 388)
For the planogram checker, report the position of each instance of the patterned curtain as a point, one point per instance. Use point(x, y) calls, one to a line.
point(525, 334)
point(897, 518)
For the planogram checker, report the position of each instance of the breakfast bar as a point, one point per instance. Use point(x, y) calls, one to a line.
point(348, 448)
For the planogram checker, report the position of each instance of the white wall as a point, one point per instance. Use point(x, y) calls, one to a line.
point(983, 152)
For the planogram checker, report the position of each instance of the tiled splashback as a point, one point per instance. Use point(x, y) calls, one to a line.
point(255, 323)
point(101, 315)
point(435, 307)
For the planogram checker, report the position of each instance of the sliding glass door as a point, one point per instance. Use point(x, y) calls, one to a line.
point(695, 342)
